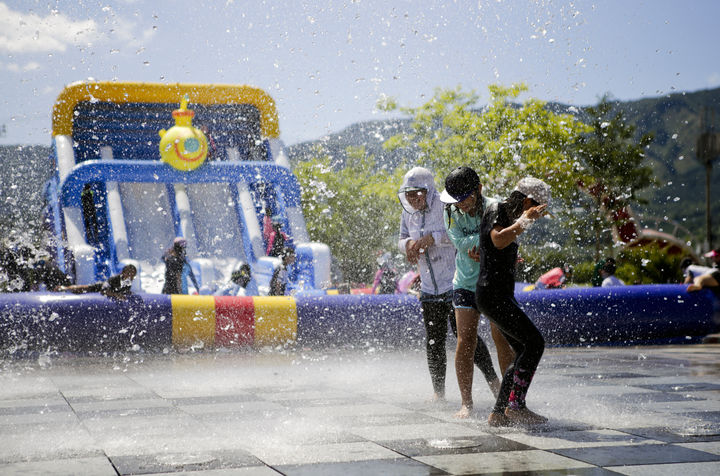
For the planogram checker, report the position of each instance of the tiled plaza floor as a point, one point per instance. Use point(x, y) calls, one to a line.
point(613, 410)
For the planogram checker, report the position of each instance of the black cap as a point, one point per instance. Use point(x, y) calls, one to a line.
point(460, 184)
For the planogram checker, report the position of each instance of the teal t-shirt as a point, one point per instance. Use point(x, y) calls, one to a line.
point(464, 232)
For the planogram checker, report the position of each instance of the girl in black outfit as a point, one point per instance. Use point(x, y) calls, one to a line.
point(175, 260)
point(502, 223)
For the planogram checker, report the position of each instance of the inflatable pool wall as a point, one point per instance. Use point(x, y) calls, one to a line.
point(572, 317)
point(91, 322)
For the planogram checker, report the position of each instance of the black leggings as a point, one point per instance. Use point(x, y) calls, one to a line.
point(522, 335)
point(436, 315)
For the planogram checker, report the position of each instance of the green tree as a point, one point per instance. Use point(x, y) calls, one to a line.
point(616, 167)
point(649, 265)
point(502, 142)
point(354, 210)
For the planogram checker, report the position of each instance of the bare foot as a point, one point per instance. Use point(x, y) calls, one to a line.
point(438, 397)
point(465, 411)
point(524, 416)
point(498, 419)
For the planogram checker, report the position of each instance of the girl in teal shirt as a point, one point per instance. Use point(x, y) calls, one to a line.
point(465, 205)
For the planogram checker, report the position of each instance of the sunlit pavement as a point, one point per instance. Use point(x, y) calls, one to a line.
point(617, 410)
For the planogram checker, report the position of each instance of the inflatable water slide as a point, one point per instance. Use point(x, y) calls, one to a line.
point(114, 201)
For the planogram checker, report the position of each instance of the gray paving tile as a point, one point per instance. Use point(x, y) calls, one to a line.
point(409, 418)
point(527, 462)
point(395, 467)
point(96, 466)
point(669, 469)
point(183, 461)
point(609, 375)
point(593, 471)
point(212, 399)
point(453, 445)
point(245, 471)
point(668, 435)
point(127, 412)
point(578, 439)
point(39, 409)
point(683, 387)
point(637, 454)
point(644, 398)
point(293, 454)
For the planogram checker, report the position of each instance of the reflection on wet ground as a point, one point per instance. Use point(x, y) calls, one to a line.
point(612, 410)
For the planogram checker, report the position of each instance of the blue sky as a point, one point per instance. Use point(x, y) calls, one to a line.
point(327, 62)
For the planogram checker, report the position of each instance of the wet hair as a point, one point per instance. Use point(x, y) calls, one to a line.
point(609, 266)
point(515, 204)
point(129, 267)
point(686, 262)
point(242, 273)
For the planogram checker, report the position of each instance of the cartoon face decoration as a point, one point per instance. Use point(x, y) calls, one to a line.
point(183, 146)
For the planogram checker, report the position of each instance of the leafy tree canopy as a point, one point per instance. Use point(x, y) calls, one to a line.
point(354, 210)
point(502, 142)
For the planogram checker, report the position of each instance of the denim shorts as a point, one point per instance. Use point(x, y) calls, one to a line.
point(464, 299)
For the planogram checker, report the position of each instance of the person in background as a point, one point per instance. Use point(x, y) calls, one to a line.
point(714, 256)
point(49, 277)
point(709, 280)
point(16, 270)
point(556, 278)
point(385, 281)
point(239, 280)
point(608, 274)
point(464, 209)
point(409, 283)
point(597, 279)
point(279, 280)
point(690, 270)
point(175, 260)
point(277, 239)
point(501, 225)
point(117, 286)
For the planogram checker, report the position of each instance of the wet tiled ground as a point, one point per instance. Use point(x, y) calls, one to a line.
point(634, 411)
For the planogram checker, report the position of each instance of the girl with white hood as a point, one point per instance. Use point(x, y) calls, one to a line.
point(424, 240)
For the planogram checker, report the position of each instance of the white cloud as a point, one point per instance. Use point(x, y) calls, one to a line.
point(17, 68)
point(31, 33)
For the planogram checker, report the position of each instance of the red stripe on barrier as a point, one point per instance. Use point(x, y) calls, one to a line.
point(234, 321)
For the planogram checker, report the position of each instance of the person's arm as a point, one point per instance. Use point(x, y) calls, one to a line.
point(376, 281)
point(192, 277)
point(462, 242)
point(502, 237)
point(275, 285)
point(112, 294)
point(421, 245)
point(406, 244)
point(111, 288)
point(404, 236)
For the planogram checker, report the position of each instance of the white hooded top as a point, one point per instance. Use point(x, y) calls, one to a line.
point(437, 264)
